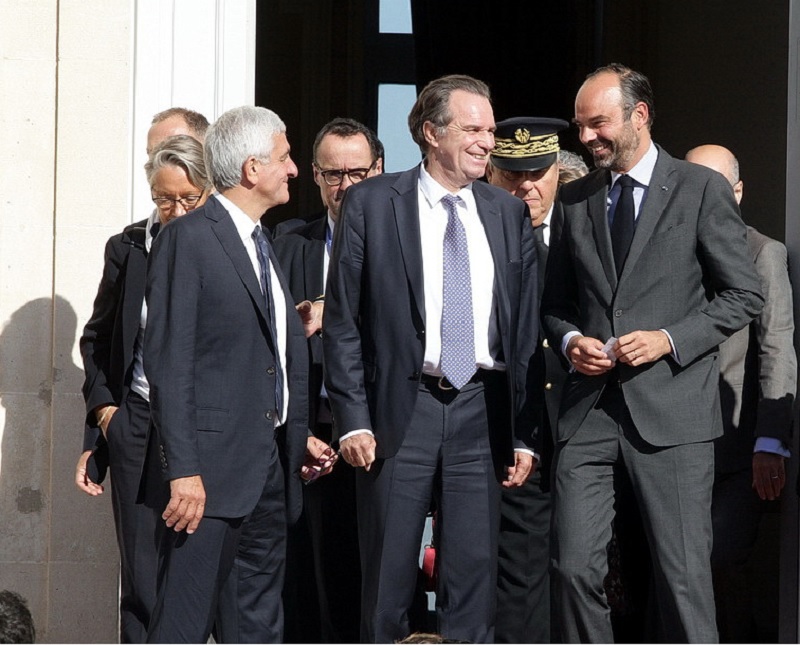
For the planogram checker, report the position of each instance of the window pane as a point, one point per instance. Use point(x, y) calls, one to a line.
point(394, 104)
point(395, 16)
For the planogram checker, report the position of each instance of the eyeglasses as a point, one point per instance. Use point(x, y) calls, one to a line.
point(336, 177)
point(168, 203)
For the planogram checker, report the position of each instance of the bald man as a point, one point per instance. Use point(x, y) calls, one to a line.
point(758, 381)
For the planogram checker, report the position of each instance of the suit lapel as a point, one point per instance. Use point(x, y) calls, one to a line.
point(658, 195)
point(493, 225)
point(314, 260)
point(598, 214)
point(406, 214)
point(231, 243)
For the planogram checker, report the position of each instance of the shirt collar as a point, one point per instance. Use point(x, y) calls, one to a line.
point(241, 220)
point(432, 190)
point(148, 232)
point(331, 224)
point(642, 172)
point(546, 221)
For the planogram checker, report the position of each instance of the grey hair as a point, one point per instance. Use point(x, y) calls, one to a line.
point(571, 166)
point(239, 133)
point(182, 151)
point(433, 104)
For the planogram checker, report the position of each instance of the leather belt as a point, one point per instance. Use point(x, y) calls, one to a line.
point(443, 384)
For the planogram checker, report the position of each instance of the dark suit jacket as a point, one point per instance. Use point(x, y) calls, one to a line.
point(374, 336)
point(210, 363)
point(758, 365)
point(109, 337)
point(688, 271)
point(301, 253)
point(549, 372)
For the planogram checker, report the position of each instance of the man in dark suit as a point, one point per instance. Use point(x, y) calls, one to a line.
point(111, 347)
point(638, 307)
point(345, 152)
point(758, 383)
point(525, 163)
point(430, 326)
point(225, 354)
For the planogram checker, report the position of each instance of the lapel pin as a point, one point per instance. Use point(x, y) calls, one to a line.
point(664, 188)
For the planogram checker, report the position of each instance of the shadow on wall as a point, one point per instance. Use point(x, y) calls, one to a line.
point(51, 539)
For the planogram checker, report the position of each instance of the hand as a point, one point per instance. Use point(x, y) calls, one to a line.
point(769, 475)
point(311, 315)
point(641, 347)
point(587, 356)
point(82, 480)
point(104, 415)
point(359, 450)
point(319, 461)
point(186, 503)
point(524, 466)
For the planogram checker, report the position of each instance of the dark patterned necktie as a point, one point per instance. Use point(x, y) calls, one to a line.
point(458, 331)
point(262, 251)
point(623, 223)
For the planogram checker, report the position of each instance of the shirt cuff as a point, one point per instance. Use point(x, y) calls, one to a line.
point(565, 342)
point(773, 445)
point(674, 352)
point(353, 433)
point(530, 452)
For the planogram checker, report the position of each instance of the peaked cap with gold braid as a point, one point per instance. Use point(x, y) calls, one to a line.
point(526, 143)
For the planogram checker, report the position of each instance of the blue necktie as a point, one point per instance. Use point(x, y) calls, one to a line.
point(624, 222)
point(262, 251)
point(458, 332)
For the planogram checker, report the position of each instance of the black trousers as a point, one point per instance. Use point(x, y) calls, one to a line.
point(736, 512)
point(230, 571)
point(136, 525)
point(445, 457)
point(523, 574)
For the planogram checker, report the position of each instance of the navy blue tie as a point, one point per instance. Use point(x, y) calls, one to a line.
point(458, 331)
point(624, 222)
point(262, 251)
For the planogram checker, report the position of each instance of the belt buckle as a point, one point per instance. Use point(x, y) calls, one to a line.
point(441, 383)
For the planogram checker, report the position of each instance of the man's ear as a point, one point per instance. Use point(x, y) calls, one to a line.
point(640, 115)
point(430, 132)
point(250, 169)
point(738, 191)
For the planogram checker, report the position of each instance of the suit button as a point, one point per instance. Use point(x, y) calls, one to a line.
point(271, 370)
point(617, 313)
point(415, 376)
point(545, 344)
point(268, 415)
point(548, 386)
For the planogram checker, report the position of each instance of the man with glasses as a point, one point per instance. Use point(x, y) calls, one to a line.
point(525, 163)
point(345, 152)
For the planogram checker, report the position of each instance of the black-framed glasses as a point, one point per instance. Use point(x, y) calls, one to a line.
point(168, 203)
point(336, 177)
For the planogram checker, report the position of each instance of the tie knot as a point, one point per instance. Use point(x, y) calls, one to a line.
point(450, 202)
point(257, 232)
point(626, 181)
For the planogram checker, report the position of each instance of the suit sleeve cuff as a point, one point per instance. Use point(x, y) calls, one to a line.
point(773, 445)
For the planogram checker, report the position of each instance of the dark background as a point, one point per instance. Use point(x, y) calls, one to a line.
point(718, 68)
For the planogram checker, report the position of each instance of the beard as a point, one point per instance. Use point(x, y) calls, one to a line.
point(622, 150)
